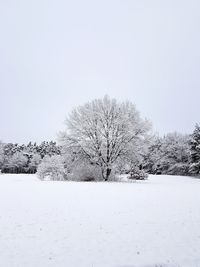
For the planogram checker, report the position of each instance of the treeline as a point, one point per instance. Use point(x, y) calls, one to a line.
point(174, 154)
point(15, 158)
point(105, 139)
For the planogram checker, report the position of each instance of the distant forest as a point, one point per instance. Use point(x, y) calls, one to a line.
point(15, 158)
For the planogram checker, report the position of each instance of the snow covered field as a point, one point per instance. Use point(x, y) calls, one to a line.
point(150, 223)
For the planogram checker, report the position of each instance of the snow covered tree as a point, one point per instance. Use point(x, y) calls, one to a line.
point(17, 163)
point(133, 161)
point(169, 155)
point(195, 151)
point(152, 159)
point(51, 168)
point(10, 149)
point(34, 162)
point(176, 154)
point(48, 148)
point(103, 131)
point(1, 154)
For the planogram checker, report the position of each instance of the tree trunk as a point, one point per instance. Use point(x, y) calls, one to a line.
point(108, 172)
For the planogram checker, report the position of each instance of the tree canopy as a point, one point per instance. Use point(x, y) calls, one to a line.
point(104, 130)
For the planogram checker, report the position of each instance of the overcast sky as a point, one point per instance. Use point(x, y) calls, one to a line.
point(57, 54)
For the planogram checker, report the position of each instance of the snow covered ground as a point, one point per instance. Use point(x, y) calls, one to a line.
point(150, 223)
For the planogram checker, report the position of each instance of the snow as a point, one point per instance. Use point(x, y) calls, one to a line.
point(146, 223)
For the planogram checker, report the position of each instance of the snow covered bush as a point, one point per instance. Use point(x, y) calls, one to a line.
point(87, 173)
point(51, 168)
point(137, 174)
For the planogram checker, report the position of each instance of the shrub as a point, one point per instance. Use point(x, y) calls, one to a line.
point(51, 168)
point(137, 174)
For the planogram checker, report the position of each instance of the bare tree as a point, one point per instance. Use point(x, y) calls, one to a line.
point(104, 130)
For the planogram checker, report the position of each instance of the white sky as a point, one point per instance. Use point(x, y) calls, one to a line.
point(57, 54)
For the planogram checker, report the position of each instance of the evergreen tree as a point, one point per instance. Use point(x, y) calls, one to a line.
point(1, 154)
point(195, 151)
